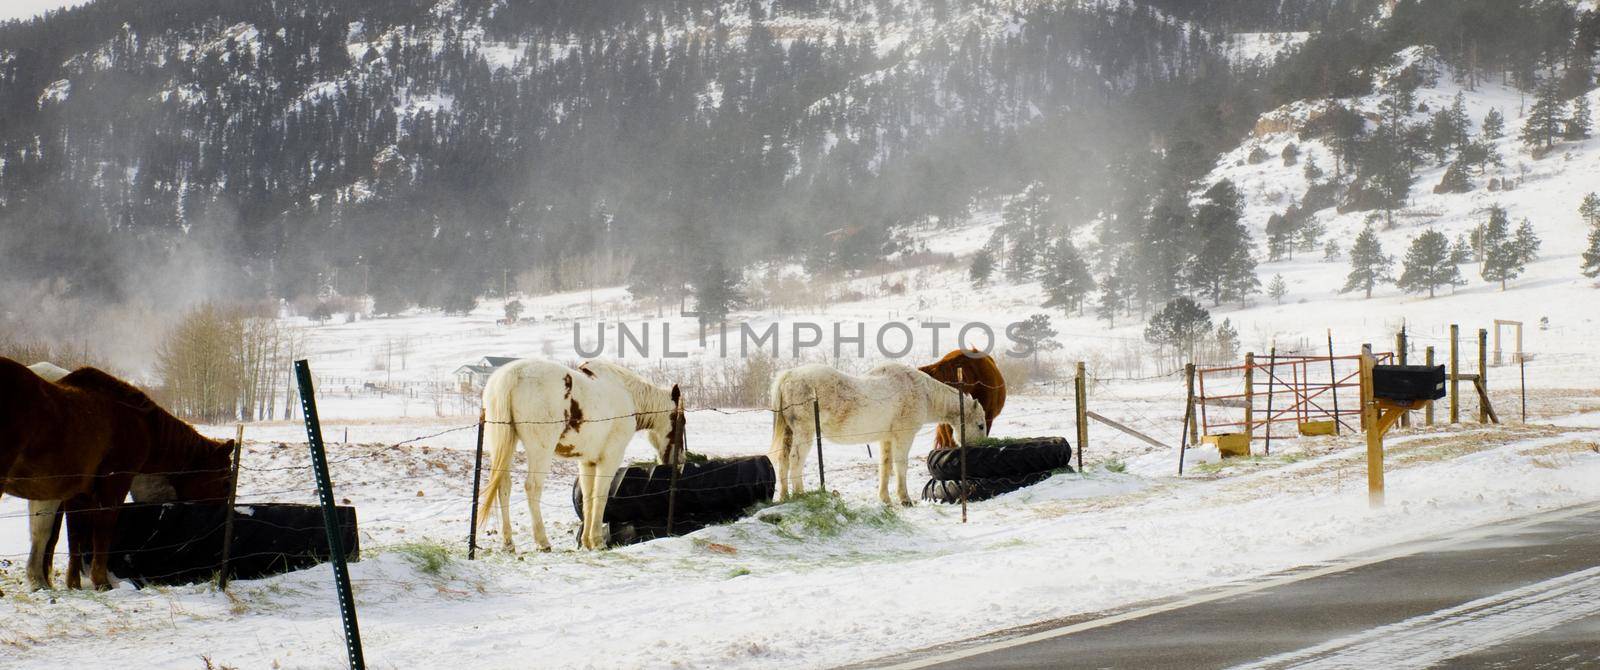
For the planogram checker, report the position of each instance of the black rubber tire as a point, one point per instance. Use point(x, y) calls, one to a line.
point(713, 491)
point(181, 542)
point(1045, 454)
point(626, 533)
point(949, 490)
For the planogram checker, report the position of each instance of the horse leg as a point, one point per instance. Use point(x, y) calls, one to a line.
point(538, 465)
point(902, 457)
point(799, 440)
point(885, 451)
point(588, 484)
point(102, 523)
point(77, 545)
point(41, 527)
point(605, 472)
point(505, 520)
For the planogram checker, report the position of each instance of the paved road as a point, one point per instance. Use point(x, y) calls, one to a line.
point(1524, 594)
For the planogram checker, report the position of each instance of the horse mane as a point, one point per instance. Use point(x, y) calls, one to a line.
point(651, 402)
point(980, 378)
point(173, 435)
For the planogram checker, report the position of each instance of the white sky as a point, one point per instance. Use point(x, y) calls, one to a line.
point(22, 9)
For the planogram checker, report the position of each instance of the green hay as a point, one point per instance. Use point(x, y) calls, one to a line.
point(820, 513)
point(427, 556)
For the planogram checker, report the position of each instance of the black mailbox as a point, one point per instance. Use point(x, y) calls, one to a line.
point(1408, 383)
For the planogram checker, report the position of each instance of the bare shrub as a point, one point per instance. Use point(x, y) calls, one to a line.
point(221, 363)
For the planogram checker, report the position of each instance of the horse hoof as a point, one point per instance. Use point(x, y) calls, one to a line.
point(544, 549)
point(907, 503)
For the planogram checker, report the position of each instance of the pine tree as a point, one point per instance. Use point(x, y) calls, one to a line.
point(1507, 254)
point(1494, 125)
point(716, 291)
point(1462, 251)
point(1455, 180)
point(1591, 256)
point(982, 267)
point(1026, 218)
point(1180, 324)
point(1277, 288)
point(1065, 277)
point(1227, 341)
point(1428, 264)
point(1589, 210)
point(1312, 171)
point(1113, 292)
point(1581, 124)
point(1545, 118)
point(1369, 266)
point(1223, 267)
point(1331, 252)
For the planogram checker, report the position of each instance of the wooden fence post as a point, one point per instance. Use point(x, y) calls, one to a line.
point(1455, 373)
point(477, 483)
point(1370, 415)
point(1081, 394)
point(1427, 412)
point(1400, 351)
point(1522, 375)
point(1193, 423)
point(1249, 395)
point(1483, 374)
point(227, 513)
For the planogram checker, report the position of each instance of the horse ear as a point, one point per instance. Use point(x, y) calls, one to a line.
point(676, 395)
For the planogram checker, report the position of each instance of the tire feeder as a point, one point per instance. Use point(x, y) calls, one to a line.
point(708, 493)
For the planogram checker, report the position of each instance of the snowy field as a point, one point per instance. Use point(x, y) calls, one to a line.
point(830, 582)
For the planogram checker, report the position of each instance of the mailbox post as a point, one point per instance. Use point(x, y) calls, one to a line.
point(1388, 392)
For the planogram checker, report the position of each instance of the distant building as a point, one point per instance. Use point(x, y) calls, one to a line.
point(473, 376)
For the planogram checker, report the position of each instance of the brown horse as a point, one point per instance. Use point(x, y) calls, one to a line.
point(84, 438)
point(980, 378)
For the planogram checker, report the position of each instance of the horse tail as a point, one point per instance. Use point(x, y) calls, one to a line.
point(781, 433)
point(500, 436)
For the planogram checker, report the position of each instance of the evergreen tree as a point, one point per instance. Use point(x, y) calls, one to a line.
point(1429, 264)
point(1545, 118)
point(1065, 277)
point(1331, 252)
point(1277, 288)
point(982, 267)
point(1026, 219)
point(1589, 210)
point(1461, 252)
point(716, 291)
point(1312, 171)
point(1038, 331)
point(1180, 324)
point(1369, 266)
point(1227, 341)
point(1223, 267)
point(1291, 154)
point(1506, 254)
point(1113, 293)
point(1455, 180)
point(1582, 122)
point(1494, 125)
point(1591, 255)
point(1310, 233)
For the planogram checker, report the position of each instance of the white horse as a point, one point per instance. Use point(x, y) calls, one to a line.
point(888, 405)
point(588, 414)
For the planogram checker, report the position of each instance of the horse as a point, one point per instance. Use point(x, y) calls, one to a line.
point(43, 536)
point(588, 414)
point(887, 405)
point(980, 378)
point(83, 439)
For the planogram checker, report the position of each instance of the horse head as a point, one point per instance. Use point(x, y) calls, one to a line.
point(977, 426)
point(668, 437)
point(209, 476)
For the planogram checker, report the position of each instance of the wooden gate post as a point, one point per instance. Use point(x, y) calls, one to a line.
point(1369, 415)
point(1081, 394)
point(1483, 374)
point(1427, 413)
point(1333, 381)
point(1249, 395)
point(1455, 373)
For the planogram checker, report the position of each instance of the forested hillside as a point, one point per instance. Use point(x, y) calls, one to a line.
point(428, 151)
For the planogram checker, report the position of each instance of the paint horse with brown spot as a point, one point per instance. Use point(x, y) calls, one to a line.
point(83, 439)
point(888, 405)
point(588, 414)
point(973, 373)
